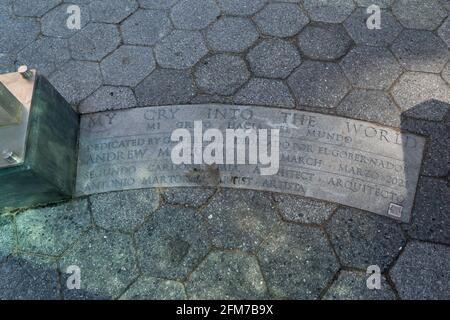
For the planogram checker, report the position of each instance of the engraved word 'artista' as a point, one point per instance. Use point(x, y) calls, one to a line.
point(240, 146)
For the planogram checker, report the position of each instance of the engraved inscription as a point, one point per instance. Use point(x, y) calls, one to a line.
point(352, 162)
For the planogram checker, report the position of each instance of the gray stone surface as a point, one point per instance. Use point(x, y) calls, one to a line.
point(273, 59)
point(430, 220)
point(7, 237)
point(107, 263)
point(180, 50)
point(94, 42)
point(190, 197)
point(265, 92)
point(54, 22)
point(33, 8)
point(281, 19)
point(446, 73)
point(227, 275)
point(221, 74)
point(76, 80)
point(108, 98)
point(351, 285)
point(356, 26)
point(240, 219)
point(444, 32)
point(145, 27)
point(319, 84)
point(422, 272)
point(194, 14)
point(148, 288)
point(380, 3)
point(51, 231)
point(361, 239)
point(231, 34)
point(333, 11)
point(303, 210)
point(446, 4)
point(433, 110)
point(370, 105)
point(172, 243)
point(17, 33)
point(7, 63)
point(324, 42)
point(241, 7)
point(430, 17)
point(165, 87)
point(371, 67)
point(123, 211)
point(421, 51)
point(414, 88)
point(128, 66)
point(157, 4)
point(297, 262)
point(28, 278)
point(45, 54)
point(111, 11)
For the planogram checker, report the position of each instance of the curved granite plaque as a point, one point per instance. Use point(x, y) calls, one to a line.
point(355, 163)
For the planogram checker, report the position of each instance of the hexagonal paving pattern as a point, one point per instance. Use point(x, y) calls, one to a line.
point(194, 14)
point(111, 11)
point(17, 33)
point(281, 19)
point(171, 243)
point(371, 67)
point(291, 248)
point(54, 22)
point(444, 32)
point(148, 288)
point(430, 17)
point(318, 84)
point(421, 51)
point(265, 92)
point(7, 242)
point(227, 275)
point(128, 66)
point(32, 8)
point(157, 4)
point(241, 7)
point(333, 11)
point(108, 98)
point(239, 219)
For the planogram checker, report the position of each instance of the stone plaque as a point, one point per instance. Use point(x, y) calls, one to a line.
point(355, 163)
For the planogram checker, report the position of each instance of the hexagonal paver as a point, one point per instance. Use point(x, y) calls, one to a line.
point(52, 230)
point(227, 275)
point(265, 92)
point(181, 50)
point(172, 242)
point(123, 211)
point(273, 59)
point(17, 33)
point(281, 19)
point(291, 248)
point(418, 14)
point(351, 285)
point(29, 278)
point(232, 34)
point(371, 67)
point(356, 26)
point(303, 210)
point(221, 74)
point(324, 42)
point(241, 7)
point(107, 263)
point(190, 197)
point(157, 4)
point(362, 239)
point(112, 11)
point(128, 66)
point(446, 73)
point(370, 105)
point(318, 84)
point(332, 11)
point(414, 88)
point(32, 8)
point(7, 63)
point(145, 27)
point(148, 288)
point(422, 272)
point(54, 22)
point(108, 98)
point(194, 14)
point(45, 54)
point(165, 87)
point(7, 241)
point(240, 219)
point(444, 32)
point(421, 51)
point(76, 80)
point(430, 215)
point(94, 42)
